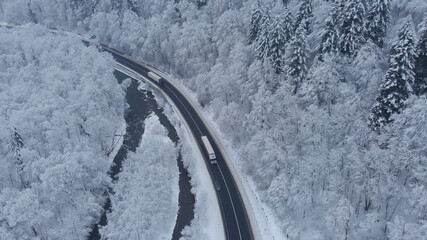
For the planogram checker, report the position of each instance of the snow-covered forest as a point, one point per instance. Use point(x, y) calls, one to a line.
point(60, 109)
point(325, 101)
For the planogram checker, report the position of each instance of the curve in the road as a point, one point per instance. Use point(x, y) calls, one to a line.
point(235, 217)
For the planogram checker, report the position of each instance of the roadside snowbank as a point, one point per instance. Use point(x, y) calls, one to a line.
point(207, 222)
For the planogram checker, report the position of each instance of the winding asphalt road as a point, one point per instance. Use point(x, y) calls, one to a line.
point(235, 218)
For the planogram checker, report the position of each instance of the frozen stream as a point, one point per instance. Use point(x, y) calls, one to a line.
point(141, 105)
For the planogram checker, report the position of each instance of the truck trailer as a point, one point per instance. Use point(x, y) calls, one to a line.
point(156, 78)
point(209, 149)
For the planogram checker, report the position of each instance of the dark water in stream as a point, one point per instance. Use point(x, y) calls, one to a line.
point(141, 105)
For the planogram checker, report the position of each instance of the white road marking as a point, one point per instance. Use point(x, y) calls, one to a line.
point(231, 200)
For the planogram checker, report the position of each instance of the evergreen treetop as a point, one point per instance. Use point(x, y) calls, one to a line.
point(255, 25)
point(396, 86)
point(263, 40)
point(330, 36)
point(304, 13)
point(298, 57)
point(420, 84)
point(278, 44)
point(353, 27)
point(377, 20)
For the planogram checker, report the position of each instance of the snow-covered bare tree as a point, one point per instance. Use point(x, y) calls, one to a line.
point(420, 83)
point(353, 27)
point(330, 35)
point(396, 86)
point(298, 57)
point(53, 162)
point(377, 21)
point(304, 14)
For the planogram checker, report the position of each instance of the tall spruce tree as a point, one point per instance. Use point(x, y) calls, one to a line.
point(396, 86)
point(201, 3)
point(407, 51)
point(377, 21)
point(287, 24)
point(420, 84)
point(330, 36)
point(263, 40)
point(352, 28)
point(16, 144)
point(277, 46)
point(298, 57)
point(305, 12)
point(281, 33)
point(256, 20)
point(133, 6)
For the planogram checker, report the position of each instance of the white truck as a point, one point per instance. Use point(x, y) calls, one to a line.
point(209, 149)
point(156, 78)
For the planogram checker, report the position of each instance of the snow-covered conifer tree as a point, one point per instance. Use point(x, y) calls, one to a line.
point(16, 144)
point(407, 52)
point(298, 57)
point(304, 13)
point(277, 46)
point(420, 84)
point(263, 40)
point(399, 78)
point(377, 20)
point(133, 6)
point(256, 21)
point(201, 3)
point(330, 35)
point(353, 27)
point(285, 2)
point(281, 33)
point(287, 24)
